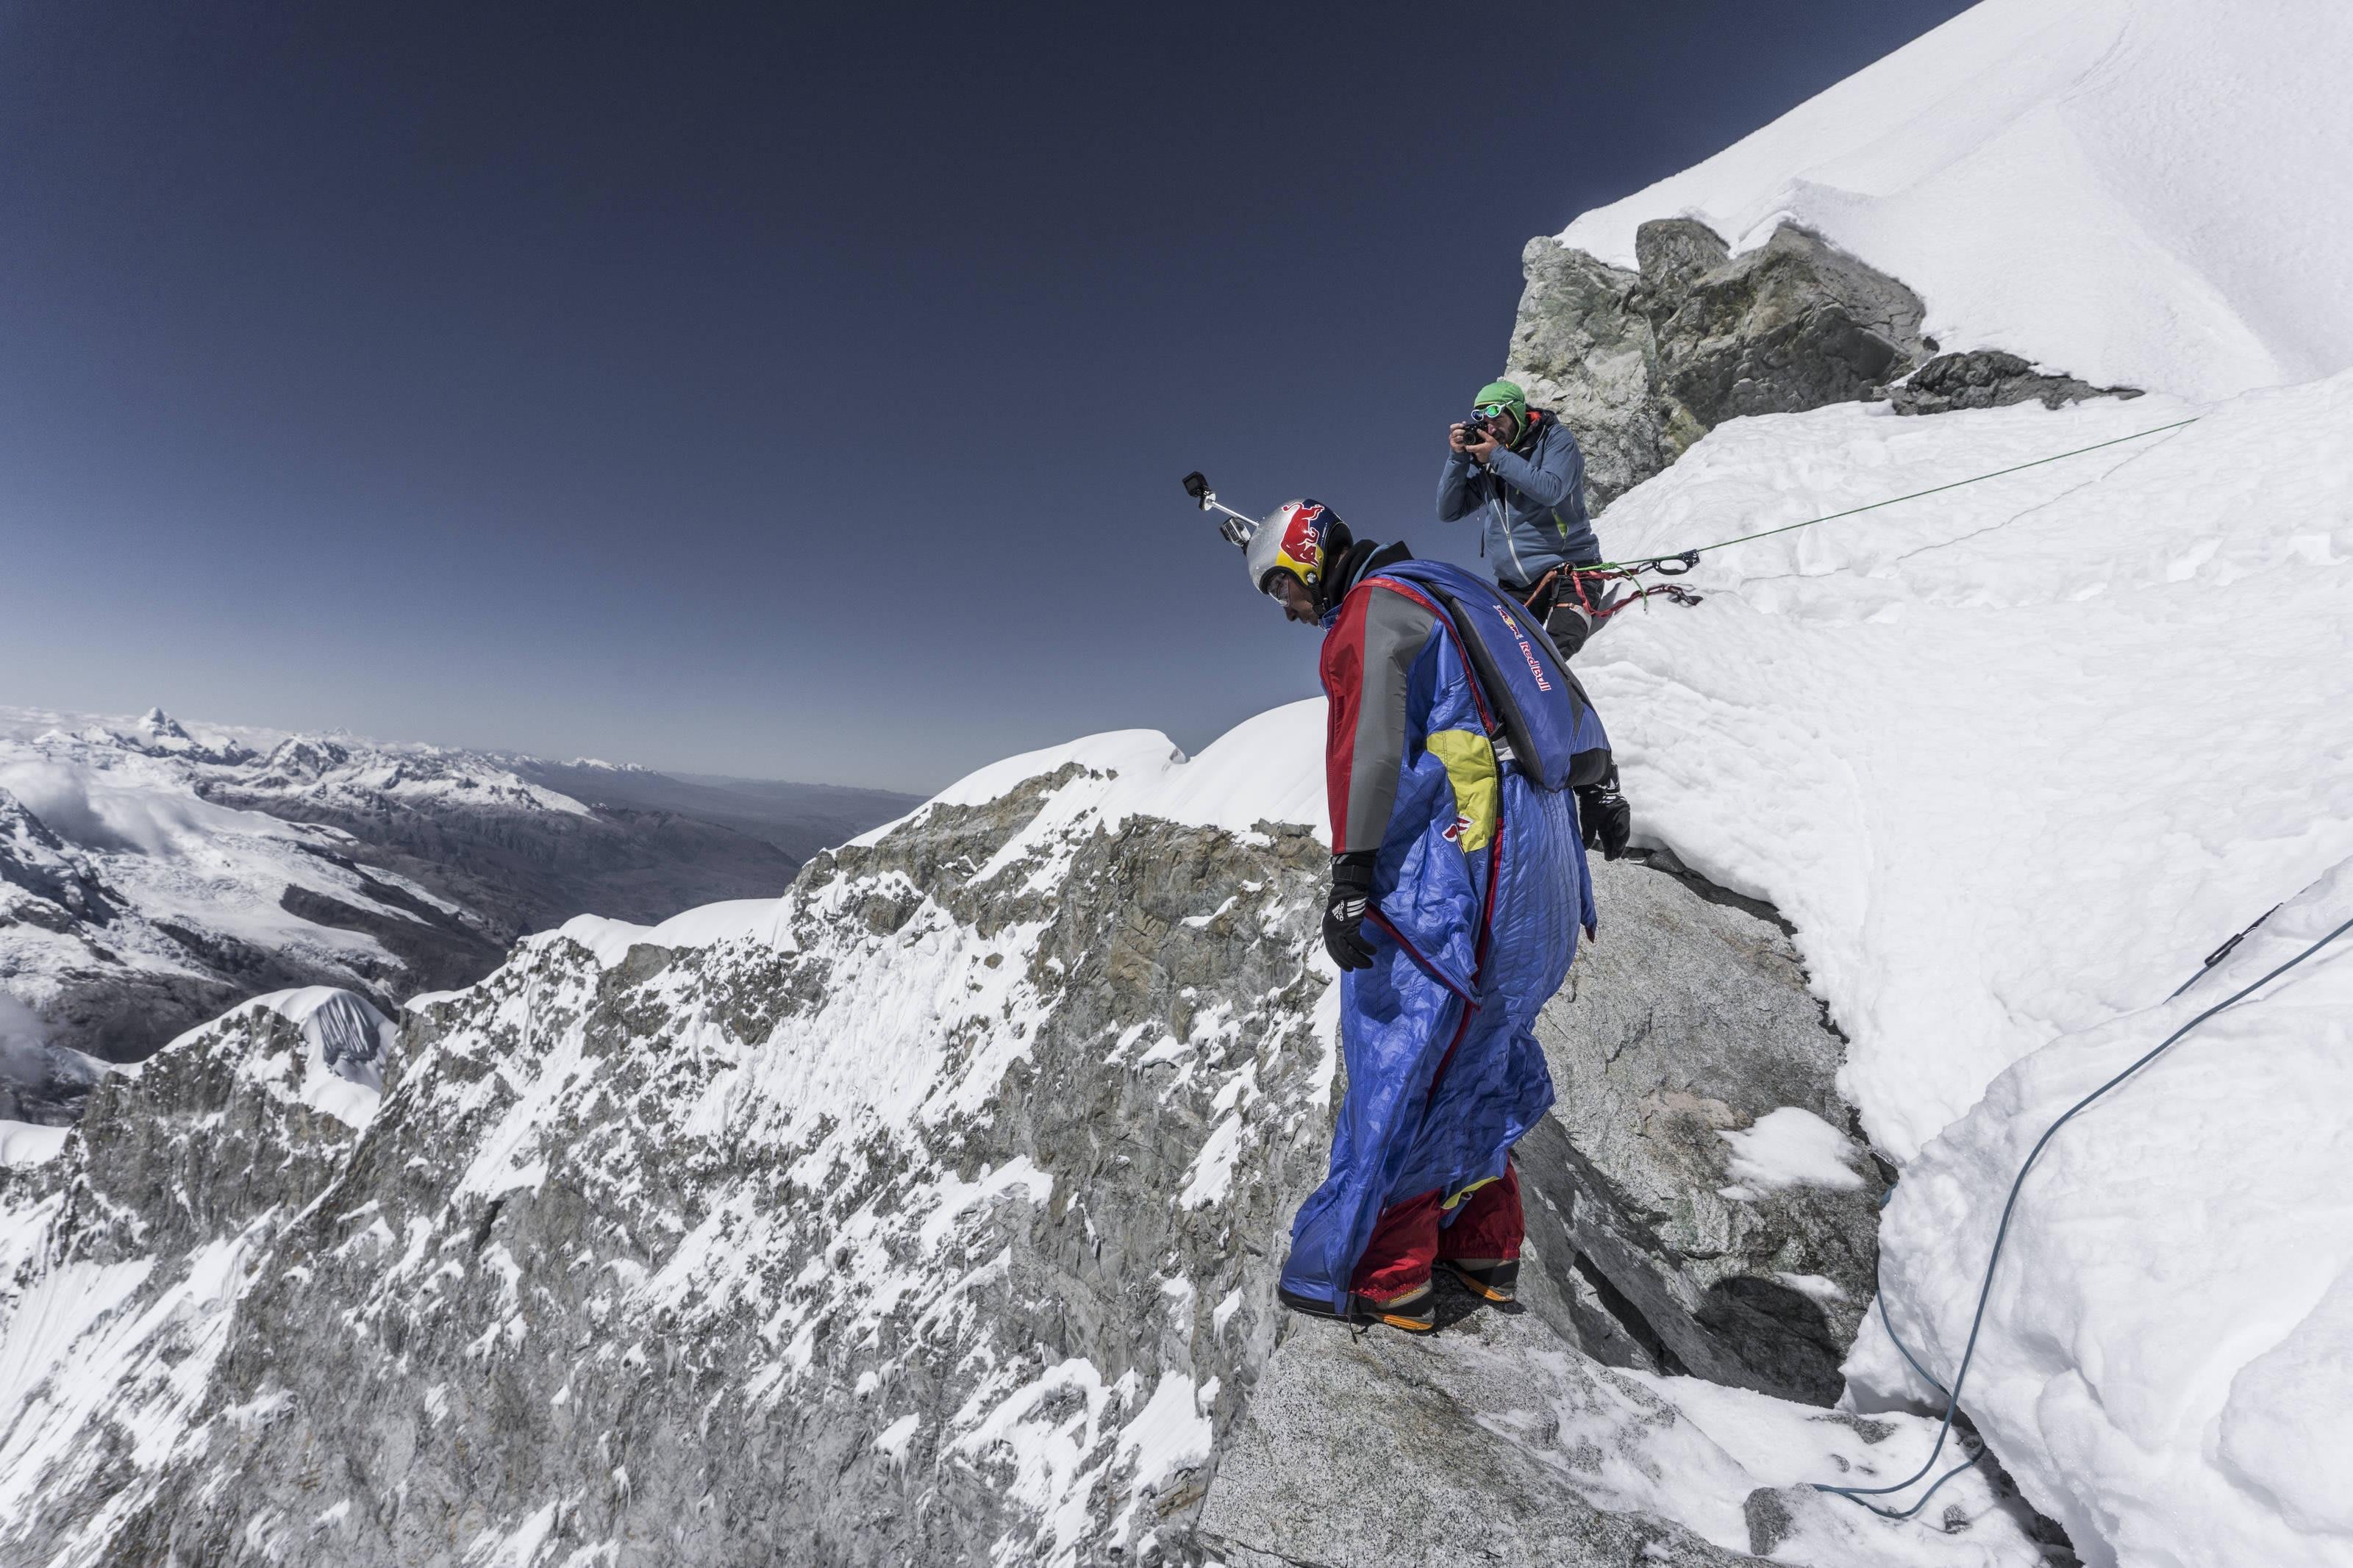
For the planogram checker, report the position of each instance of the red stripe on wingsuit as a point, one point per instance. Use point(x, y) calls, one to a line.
point(1344, 687)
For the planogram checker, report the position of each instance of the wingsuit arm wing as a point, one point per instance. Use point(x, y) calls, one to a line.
point(1368, 659)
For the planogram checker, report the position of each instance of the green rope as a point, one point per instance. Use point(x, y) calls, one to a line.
point(1691, 557)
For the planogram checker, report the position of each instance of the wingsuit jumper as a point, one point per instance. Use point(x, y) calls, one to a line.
point(1459, 884)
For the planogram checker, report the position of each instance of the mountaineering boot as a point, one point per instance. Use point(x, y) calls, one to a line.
point(1492, 1277)
point(1415, 1311)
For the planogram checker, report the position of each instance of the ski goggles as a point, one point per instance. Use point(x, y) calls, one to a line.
point(1272, 583)
point(1492, 410)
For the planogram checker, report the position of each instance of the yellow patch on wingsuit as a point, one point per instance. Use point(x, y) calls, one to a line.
point(1466, 1192)
point(1469, 760)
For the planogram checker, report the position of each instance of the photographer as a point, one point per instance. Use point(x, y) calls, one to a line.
point(1520, 468)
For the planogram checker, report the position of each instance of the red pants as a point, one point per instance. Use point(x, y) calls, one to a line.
point(1408, 1239)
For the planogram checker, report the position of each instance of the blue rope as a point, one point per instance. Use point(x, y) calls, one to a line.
point(1985, 1291)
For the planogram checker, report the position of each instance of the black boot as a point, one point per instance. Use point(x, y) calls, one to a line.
point(1416, 1312)
point(1492, 1277)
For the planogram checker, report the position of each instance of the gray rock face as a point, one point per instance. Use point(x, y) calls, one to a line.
point(1689, 1019)
point(1492, 1441)
point(1794, 324)
point(1676, 252)
point(945, 1235)
point(1581, 348)
point(1641, 365)
point(1450, 1448)
point(1989, 378)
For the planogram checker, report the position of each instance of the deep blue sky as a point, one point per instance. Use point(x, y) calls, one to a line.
point(798, 392)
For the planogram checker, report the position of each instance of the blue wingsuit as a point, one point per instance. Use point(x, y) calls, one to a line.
point(1480, 885)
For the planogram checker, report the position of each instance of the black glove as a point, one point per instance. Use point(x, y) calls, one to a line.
point(1607, 819)
point(1343, 913)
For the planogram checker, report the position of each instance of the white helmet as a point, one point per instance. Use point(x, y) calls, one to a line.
point(1300, 537)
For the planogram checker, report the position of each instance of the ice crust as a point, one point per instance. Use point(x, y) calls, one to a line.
point(2155, 193)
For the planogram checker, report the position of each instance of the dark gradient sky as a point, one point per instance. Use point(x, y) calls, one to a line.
point(796, 391)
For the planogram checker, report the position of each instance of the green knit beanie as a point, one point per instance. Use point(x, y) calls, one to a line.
point(1506, 393)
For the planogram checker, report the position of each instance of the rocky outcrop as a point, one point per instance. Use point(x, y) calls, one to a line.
point(123, 1259)
point(1455, 1447)
point(946, 1233)
point(1989, 378)
point(1641, 365)
point(1710, 1246)
point(1489, 1442)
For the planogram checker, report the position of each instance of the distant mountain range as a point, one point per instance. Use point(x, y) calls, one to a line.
point(798, 819)
point(151, 875)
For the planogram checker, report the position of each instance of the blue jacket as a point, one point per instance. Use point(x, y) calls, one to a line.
point(1480, 886)
point(1531, 499)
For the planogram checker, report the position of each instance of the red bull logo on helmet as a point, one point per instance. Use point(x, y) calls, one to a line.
point(1302, 538)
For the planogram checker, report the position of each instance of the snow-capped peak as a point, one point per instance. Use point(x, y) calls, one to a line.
point(161, 726)
point(2151, 193)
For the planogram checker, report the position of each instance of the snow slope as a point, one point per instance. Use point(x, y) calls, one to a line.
point(2014, 759)
point(2169, 1349)
point(2154, 193)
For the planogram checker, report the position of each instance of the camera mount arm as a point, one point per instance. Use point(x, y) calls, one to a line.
point(1236, 527)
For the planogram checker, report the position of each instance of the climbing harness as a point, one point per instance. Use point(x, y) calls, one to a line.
point(1682, 561)
point(1858, 1495)
point(1586, 584)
